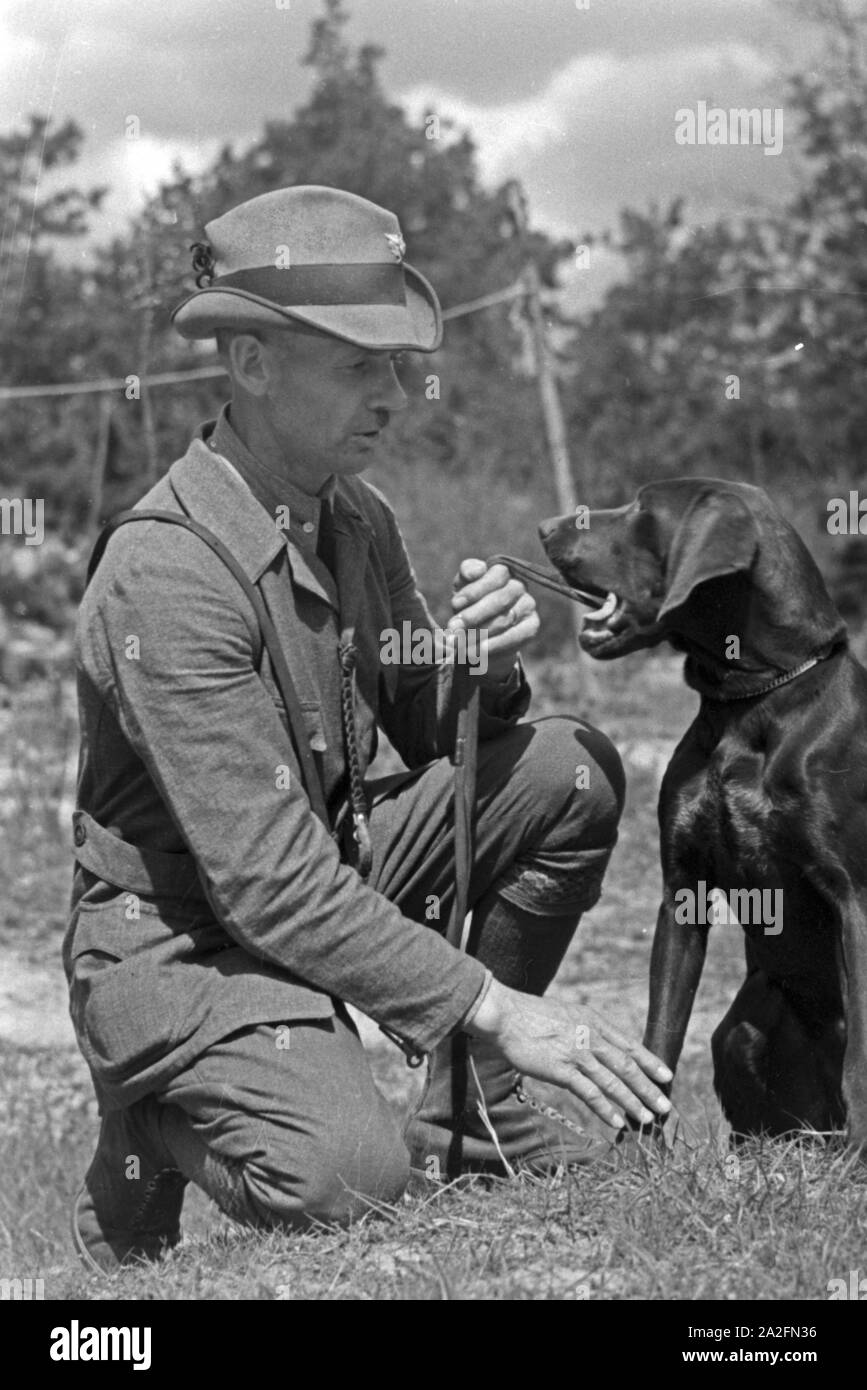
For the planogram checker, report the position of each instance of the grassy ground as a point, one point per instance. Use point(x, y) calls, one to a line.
point(689, 1222)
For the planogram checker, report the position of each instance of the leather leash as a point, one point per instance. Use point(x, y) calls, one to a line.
point(548, 579)
point(465, 693)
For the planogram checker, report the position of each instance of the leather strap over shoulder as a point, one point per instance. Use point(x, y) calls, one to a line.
point(285, 684)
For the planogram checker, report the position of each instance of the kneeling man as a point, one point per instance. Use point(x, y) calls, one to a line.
point(219, 927)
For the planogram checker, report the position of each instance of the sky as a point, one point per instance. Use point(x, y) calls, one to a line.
point(576, 98)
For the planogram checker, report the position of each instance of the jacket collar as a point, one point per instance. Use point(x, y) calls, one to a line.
point(296, 511)
point(219, 497)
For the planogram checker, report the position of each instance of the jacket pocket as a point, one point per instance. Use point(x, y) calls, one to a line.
point(146, 989)
point(314, 724)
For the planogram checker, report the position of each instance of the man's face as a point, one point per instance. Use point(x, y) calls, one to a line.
point(325, 403)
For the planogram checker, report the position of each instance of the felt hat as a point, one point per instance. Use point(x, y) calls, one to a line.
point(311, 256)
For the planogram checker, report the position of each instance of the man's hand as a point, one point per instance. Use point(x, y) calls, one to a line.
point(495, 603)
point(579, 1052)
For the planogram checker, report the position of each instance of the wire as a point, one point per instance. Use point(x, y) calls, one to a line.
point(85, 388)
point(108, 384)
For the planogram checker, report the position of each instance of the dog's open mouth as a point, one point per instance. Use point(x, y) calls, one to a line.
point(603, 623)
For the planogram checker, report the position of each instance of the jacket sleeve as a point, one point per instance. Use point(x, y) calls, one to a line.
point(173, 649)
point(420, 718)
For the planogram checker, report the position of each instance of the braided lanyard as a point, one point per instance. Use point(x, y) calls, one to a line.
point(348, 657)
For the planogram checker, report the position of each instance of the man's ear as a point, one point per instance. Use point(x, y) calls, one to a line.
point(718, 535)
point(247, 363)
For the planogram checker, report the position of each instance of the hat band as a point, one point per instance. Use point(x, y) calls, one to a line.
point(364, 283)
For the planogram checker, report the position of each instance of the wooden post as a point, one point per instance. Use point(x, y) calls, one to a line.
point(100, 462)
point(149, 304)
point(552, 410)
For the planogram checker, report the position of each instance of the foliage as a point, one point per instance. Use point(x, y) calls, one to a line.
point(776, 1221)
point(774, 299)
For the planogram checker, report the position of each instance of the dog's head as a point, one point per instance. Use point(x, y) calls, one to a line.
point(679, 536)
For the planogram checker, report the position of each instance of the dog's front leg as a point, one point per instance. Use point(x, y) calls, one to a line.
point(676, 962)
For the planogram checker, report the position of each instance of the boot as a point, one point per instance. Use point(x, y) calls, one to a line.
point(446, 1135)
point(130, 1205)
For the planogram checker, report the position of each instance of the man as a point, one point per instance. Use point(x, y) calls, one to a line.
point(218, 929)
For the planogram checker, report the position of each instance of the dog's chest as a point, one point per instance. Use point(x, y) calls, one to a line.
point(720, 818)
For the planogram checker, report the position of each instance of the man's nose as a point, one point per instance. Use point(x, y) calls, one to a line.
point(388, 394)
point(547, 528)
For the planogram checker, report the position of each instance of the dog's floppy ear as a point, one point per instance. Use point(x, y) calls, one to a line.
point(718, 535)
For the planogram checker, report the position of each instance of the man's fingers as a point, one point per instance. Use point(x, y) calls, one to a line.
point(650, 1064)
point(594, 1098)
point(610, 1074)
point(511, 639)
point(610, 1098)
point(470, 571)
point(492, 602)
point(624, 1081)
point(482, 581)
point(494, 605)
point(521, 609)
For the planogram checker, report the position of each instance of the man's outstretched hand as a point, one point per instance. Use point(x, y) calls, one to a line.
point(491, 601)
point(578, 1051)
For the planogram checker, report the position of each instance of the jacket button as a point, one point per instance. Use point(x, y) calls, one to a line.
point(79, 835)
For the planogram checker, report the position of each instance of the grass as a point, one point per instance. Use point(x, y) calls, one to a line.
point(689, 1221)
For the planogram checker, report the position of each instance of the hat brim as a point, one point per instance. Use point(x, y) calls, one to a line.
point(414, 326)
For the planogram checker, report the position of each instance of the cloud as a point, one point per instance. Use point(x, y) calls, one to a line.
point(132, 170)
point(599, 134)
point(577, 104)
point(601, 92)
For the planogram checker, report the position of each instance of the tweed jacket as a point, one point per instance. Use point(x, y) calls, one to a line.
point(207, 895)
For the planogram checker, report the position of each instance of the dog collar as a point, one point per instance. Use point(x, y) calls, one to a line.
point(784, 679)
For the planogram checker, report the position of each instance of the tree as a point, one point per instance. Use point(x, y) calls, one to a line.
point(34, 286)
point(475, 423)
point(739, 348)
point(45, 335)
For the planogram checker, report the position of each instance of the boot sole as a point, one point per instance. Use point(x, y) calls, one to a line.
point(543, 1165)
point(131, 1258)
point(81, 1249)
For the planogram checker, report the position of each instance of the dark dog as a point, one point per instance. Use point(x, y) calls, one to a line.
point(766, 791)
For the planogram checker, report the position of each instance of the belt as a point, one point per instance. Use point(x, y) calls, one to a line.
point(150, 872)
